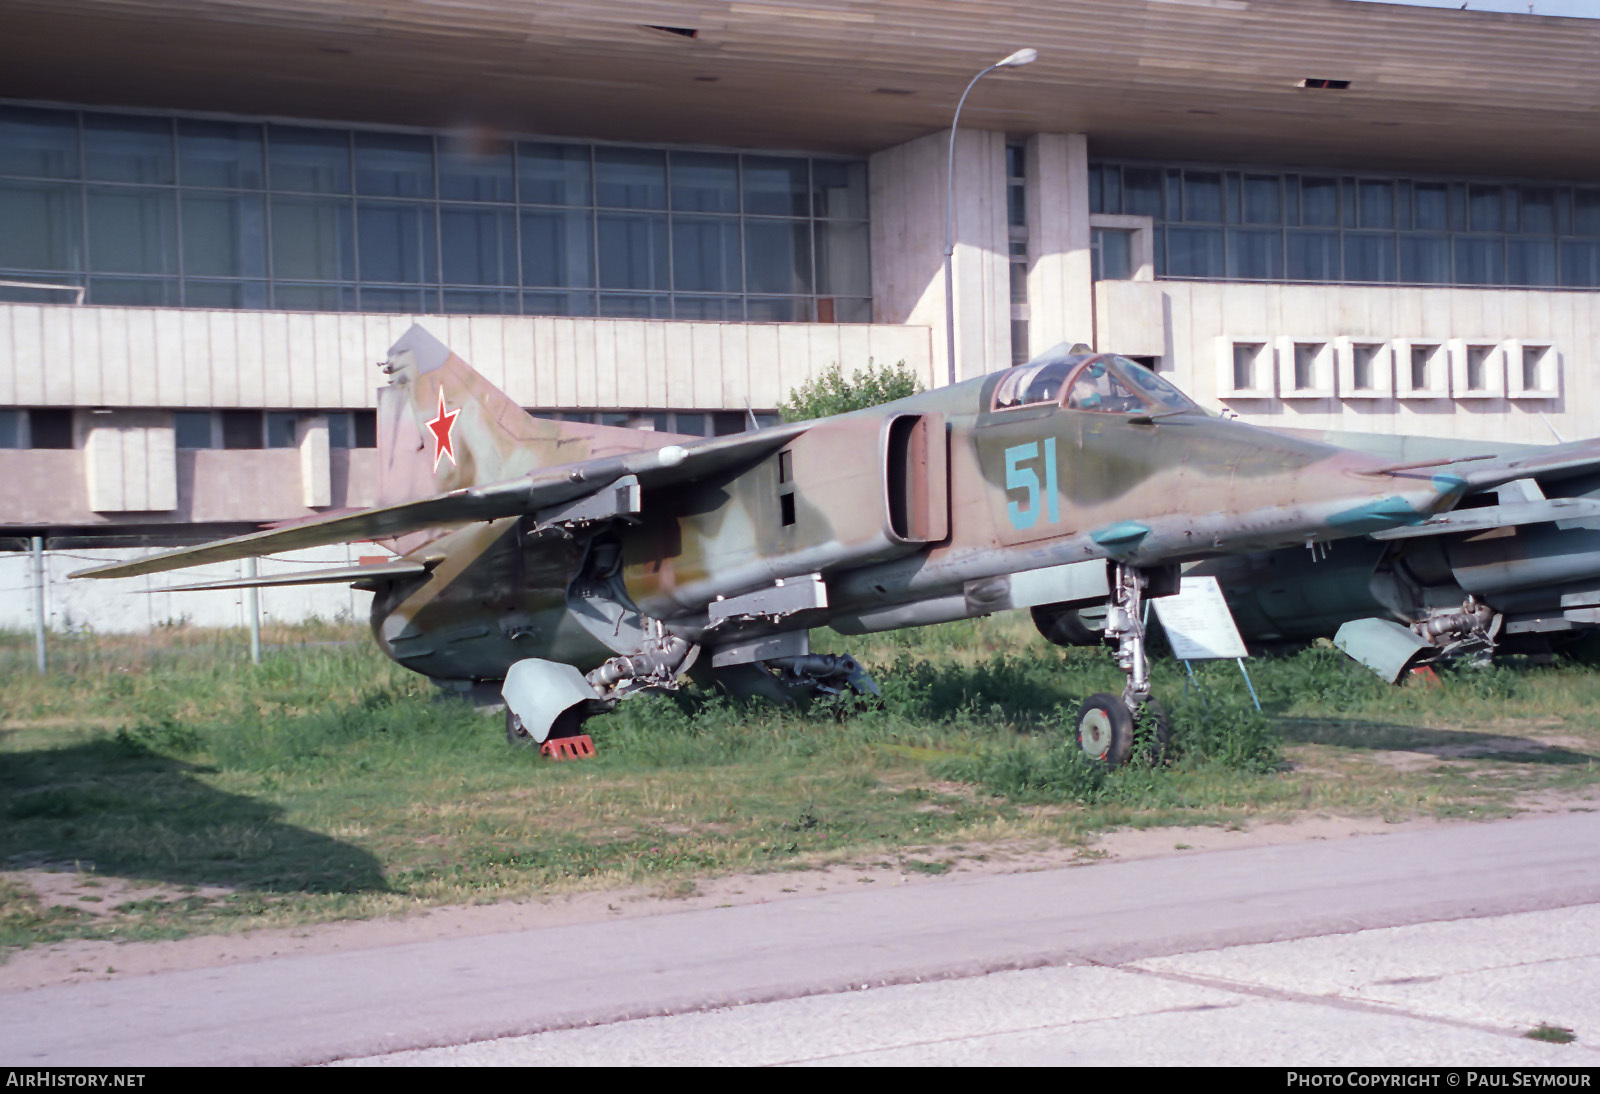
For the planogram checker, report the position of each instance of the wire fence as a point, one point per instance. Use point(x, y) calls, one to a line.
point(77, 611)
point(88, 654)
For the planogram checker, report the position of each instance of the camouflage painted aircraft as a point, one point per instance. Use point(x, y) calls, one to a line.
point(582, 564)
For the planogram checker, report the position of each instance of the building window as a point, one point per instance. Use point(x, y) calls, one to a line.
point(50, 428)
point(36, 427)
point(241, 429)
point(1017, 227)
point(281, 428)
point(352, 428)
point(1366, 368)
point(1111, 254)
point(151, 211)
point(194, 429)
point(247, 429)
point(1258, 225)
point(1306, 368)
point(1422, 369)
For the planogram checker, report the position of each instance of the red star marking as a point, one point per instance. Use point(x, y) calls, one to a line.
point(442, 427)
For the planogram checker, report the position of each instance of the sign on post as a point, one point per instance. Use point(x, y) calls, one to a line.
point(1200, 627)
point(1198, 623)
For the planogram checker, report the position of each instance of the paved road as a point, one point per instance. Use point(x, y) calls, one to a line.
point(1455, 994)
point(1092, 935)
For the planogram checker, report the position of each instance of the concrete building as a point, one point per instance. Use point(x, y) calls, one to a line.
point(215, 215)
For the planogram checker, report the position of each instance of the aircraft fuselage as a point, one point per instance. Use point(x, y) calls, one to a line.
point(915, 503)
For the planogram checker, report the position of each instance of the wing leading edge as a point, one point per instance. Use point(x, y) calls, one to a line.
point(399, 567)
point(514, 497)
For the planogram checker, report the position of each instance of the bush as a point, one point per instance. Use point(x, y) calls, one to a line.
point(830, 393)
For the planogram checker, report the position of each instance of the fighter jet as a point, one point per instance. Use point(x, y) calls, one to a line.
point(582, 564)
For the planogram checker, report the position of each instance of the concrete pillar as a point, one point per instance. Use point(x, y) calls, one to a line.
point(908, 202)
point(1060, 271)
point(129, 459)
point(316, 466)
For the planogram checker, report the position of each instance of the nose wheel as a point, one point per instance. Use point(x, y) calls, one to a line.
point(1109, 727)
point(1105, 729)
point(1110, 734)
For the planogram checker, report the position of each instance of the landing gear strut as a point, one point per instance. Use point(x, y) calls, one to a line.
point(1108, 726)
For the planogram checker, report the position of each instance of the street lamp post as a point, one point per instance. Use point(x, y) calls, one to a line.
point(1016, 60)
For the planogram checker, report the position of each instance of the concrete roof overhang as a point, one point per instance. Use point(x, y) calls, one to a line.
point(1211, 80)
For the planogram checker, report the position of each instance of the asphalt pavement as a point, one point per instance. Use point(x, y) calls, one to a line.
point(1441, 945)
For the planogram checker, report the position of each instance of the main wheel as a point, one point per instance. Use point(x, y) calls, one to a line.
point(1105, 729)
point(516, 734)
point(1070, 626)
point(569, 723)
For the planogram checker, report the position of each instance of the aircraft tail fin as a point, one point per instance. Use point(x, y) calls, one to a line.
point(443, 426)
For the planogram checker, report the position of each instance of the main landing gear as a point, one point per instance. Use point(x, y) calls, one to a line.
point(1111, 729)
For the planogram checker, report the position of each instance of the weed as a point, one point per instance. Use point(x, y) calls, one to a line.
point(1057, 773)
point(1320, 676)
point(164, 735)
point(1556, 1035)
point(24, 919)
point(1493, 682)
point(1226, 730)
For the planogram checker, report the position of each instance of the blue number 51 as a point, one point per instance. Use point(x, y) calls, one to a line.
point(1025, 478)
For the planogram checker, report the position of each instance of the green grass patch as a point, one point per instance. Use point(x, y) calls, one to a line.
point(327, 783)
point(1555, 1035)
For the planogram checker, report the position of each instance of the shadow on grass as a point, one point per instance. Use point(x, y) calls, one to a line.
point(1446, 744)
point(133, 813)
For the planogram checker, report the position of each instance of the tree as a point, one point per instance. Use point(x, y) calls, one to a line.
point(830, 393)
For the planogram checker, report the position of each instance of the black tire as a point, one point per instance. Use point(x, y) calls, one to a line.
point(1067, 626)
point(1152, 733)
point(1104, 729)
point(516, 735)
point(569, 723)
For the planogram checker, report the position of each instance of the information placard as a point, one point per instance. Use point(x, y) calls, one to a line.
point(1198, 623)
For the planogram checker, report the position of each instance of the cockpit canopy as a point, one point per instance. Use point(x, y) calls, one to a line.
point(1101, 382)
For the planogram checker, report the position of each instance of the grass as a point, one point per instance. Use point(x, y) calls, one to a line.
point(162, 786)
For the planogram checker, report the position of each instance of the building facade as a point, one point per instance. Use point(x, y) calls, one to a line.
point(215, 217)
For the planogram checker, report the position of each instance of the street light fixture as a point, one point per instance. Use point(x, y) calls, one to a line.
point(1016, 60)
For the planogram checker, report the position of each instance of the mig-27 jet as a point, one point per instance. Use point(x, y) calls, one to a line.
point(580, 564)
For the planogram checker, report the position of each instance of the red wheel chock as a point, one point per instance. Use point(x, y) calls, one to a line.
point(568, 748)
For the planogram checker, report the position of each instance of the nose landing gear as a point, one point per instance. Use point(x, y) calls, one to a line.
point(1111, 728)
